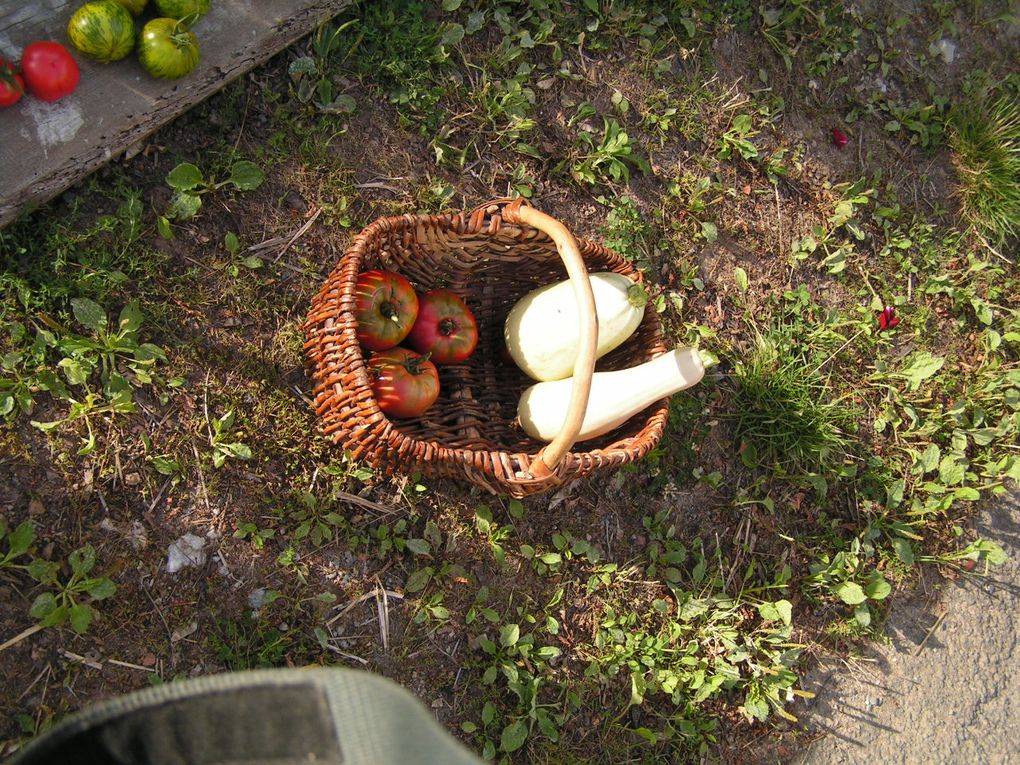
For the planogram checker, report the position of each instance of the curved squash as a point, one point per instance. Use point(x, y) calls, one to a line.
point(615, 396)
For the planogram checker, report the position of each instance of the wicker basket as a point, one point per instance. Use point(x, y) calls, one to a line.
point(491, 257)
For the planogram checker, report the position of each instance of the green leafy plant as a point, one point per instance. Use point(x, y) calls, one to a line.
point(222, 445)
point(311, 74)
point(63, 602)
point(665, 111)
point(494, 534)
point(606, 159)
point(434, 195)
point(737, 140)
point(316, 520)
point(508, 105)
point(116, 352)
point(233, 247)
point(819, 35)
point(252, 532)
point(629, 233)
point(984, 551)
point(190, 184)
point(406, 48)
point(26, 373)
point(18, 542)
point(251, 642)
point(693, 642)
point(847, 576)
point(516, 657)
point(829, 240)
point(565, 548)
point(431, 613)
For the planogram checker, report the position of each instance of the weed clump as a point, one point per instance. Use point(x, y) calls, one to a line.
point(985, 138)
point(784, 416)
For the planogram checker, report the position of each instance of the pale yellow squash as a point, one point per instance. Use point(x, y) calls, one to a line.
point(615, 396)
point(542, 330)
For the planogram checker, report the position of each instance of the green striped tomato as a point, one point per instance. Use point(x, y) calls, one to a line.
point(135, 6)
point(103, 30)
point(167, 49)
point(188, 10)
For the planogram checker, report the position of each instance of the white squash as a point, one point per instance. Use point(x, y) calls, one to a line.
point(542, 330)
point(615, 396)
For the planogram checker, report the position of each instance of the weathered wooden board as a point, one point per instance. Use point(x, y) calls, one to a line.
point(44, 148)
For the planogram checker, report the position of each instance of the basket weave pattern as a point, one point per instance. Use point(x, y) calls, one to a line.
point(490, 260)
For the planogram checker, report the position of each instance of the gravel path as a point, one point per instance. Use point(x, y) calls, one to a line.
point(947, 687)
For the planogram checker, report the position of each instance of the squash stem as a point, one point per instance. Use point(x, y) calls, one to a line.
point(637, 295)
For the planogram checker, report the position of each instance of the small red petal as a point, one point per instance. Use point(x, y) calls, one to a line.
point(887, 319)
point(839, 138)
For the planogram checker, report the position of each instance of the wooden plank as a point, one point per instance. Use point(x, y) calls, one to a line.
point(45, 148)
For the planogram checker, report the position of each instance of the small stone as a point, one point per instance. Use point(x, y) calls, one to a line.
point(132, 479)
point(149, 660)
point(946, 49)
point(257, 598)
point(186, 551)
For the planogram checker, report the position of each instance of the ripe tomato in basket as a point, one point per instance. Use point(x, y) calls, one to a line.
point(445, 328)
point(404, 384)
point(385, 308)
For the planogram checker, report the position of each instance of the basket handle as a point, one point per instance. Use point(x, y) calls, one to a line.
point(519, 211)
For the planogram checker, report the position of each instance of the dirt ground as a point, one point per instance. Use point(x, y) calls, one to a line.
point(310, 559)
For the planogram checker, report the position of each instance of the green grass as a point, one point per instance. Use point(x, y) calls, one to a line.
point(985, 138)
point(783, 412)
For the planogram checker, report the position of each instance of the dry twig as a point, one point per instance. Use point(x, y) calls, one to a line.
point(20, 636)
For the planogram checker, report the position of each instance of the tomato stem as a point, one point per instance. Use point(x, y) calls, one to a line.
point(447, 327)
point(414, 364)
point(184, 24)
point(7, 78)
point(180, 36)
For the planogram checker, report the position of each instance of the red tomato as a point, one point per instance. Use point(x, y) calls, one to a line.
point(12, 84)
point(404, 384)
point(50, 71)
point(445, 328)
point(385, 308)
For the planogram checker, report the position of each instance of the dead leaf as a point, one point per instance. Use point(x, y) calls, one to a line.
point(182, 632)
